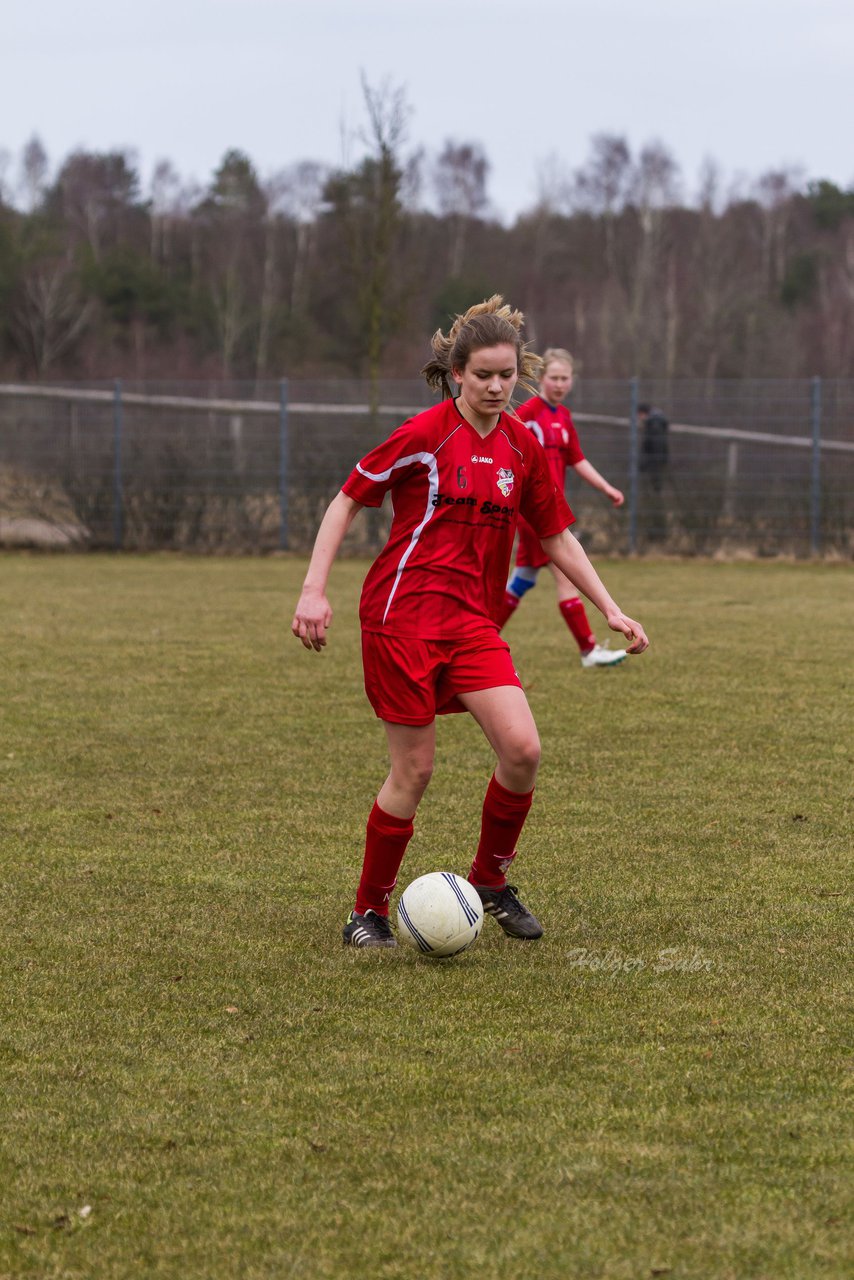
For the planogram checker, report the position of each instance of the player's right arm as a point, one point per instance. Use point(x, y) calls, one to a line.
point(594, 478)
point(313, 612)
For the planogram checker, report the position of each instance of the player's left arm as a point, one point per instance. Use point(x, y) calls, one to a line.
point(570, 557)
point(594, 478)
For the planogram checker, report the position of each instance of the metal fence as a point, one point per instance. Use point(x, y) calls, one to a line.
point(760, 467)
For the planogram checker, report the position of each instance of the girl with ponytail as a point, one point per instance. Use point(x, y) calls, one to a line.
point(460, 475)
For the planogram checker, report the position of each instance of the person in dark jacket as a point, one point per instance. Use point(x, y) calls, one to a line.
point(653, 466)
point(654, 444)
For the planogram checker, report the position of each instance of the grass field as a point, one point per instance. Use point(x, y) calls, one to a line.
point(199, 1081)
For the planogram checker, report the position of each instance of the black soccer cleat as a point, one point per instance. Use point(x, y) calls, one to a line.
point(513, 916)
point(369, 930)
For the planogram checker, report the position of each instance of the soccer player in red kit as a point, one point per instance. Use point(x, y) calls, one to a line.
point(551, 422)
point(459, 475)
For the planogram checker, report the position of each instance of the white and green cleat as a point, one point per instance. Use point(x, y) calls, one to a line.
point(601, 656)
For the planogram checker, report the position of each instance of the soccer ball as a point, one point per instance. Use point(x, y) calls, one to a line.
point(439, 914)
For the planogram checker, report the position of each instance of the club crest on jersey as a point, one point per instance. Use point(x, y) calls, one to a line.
point(505, 480)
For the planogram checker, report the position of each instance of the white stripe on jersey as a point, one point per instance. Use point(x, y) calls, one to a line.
point(429, 460)
point(512, 445)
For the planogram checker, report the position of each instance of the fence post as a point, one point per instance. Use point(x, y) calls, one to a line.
point(815, 493)
point(633, 467)
point(117, 465)
point(283, 464)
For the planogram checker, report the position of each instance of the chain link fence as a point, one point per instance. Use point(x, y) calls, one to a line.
point(755, 467)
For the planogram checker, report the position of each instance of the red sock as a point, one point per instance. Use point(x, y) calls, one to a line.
point(509, 605)
point(575, 618)
point(504, 814)
point(385, 845)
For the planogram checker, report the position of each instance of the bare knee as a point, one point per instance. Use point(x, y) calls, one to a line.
point(529, 754)
point(421, 772)
point(413, 773)
point(519, 760)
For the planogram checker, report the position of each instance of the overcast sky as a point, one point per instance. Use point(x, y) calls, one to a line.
point(756, 84)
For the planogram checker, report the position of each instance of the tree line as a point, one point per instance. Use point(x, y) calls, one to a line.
point(322, 271)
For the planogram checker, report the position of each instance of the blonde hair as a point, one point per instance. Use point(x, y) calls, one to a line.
point(483, 325)
point(557, 353)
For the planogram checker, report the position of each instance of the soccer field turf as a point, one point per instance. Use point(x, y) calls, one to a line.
point(200, 1081)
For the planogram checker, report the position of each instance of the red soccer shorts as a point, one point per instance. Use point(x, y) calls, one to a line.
point(530, 550)
point(412, 681)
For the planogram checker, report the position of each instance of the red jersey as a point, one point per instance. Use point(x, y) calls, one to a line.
point(456, 499)
point(554, 428)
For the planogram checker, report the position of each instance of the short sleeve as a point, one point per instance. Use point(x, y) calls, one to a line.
point(542, 504)
point(527, 412)
point(385, 466)
point(572, 450)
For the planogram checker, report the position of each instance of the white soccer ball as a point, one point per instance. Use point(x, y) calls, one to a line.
point(439, 914)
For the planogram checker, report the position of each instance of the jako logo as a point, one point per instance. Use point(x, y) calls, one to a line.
point(475, 458)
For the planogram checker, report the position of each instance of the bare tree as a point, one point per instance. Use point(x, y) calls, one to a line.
point(297, 192)
point(709, 193)
point(655, 188)
point(603, 187)
point(364, 217)
point(231, 212)
point(32, 183)
point(290, 195)
point(773, 192)
point(556, 188)
point(604, 184)
point(388, 114)
point(95, 191)
point(5, 185)
point(49, 312)
point(459, 180)
point(166, 205)
point(836, 295)
point(707, 267)
point(412, 183)
point(655, 181)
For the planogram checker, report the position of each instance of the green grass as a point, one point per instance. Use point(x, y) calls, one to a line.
point(187, 1049)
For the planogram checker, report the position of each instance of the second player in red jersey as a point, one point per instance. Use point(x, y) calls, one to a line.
point(552, 425)
point(460, 475)
point(551, 422)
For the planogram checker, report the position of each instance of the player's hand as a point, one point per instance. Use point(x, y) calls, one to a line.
point(633, 631)
point(617, 496)
point(312, 618)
